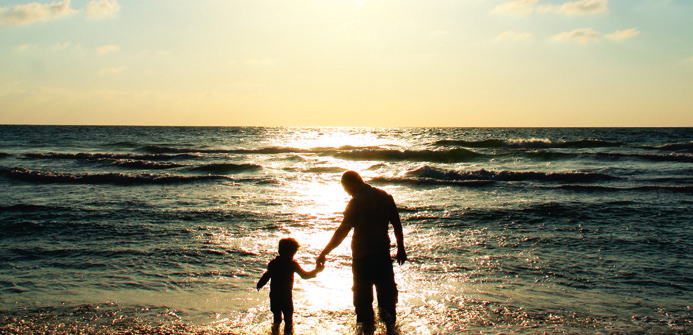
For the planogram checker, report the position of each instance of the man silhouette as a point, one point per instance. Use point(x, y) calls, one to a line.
point(369, 212)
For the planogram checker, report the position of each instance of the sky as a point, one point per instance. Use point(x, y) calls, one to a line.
point(382, 63)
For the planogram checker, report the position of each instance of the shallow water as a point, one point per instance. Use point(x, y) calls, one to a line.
point(166, 229)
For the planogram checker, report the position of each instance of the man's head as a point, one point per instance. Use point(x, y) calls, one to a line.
point(288, 247)
point(351, 181)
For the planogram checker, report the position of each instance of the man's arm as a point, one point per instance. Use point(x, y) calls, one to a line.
point(339, 235)
point(399, 235)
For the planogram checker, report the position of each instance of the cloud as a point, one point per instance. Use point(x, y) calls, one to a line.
point(112, 70)
point(102, 8)
point(23, 47)
point(582, 7)
point(511, 35)
point(623, 34)
point(104, 49)
point(583, 35)
point(20, 15)
point(516, 7)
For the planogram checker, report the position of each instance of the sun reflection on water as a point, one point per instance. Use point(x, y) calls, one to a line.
point(306, 138)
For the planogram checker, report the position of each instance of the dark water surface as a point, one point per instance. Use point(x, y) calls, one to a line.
point(167, 229)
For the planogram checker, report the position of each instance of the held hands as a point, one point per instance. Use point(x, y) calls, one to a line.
point(319, 267)
point(320, 261)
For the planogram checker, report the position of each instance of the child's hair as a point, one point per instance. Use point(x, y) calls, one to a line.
point(288, 246)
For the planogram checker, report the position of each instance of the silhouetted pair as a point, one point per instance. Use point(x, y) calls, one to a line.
point(369, 213)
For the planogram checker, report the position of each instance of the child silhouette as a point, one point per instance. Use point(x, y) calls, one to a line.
point(281, 271)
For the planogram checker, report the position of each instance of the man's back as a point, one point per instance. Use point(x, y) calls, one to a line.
point(369, 212)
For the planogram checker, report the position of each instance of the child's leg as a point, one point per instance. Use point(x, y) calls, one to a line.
point(276, 308)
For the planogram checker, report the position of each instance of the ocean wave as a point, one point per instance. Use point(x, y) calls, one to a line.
point(269, 150)
point(549, 155)
point(684, 158)
point(328, 169)
point(4, 155)
point(100, 178)
point(549, 144)
point(139, 164)
point(96, 156)
point(655, 188)
point(688, 147)
point(451, 175)
point(28, 208)
point(435, 156)
point(429, 181)
point(344, 152)
point(529, 143)
point(122, 144)
point(225, 168)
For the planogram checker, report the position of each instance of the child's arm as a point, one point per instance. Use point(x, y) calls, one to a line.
point(263, 280)
point(310, 274)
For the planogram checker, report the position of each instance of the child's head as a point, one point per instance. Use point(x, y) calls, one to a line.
point(288, 247)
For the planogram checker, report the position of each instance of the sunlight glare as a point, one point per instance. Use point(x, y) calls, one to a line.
point(322, 199)
point(333, 138)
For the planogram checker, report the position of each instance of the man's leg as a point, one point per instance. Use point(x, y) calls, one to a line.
point(387, 291)
point(363, 291)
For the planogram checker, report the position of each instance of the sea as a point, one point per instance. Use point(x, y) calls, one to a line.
point(166, 230)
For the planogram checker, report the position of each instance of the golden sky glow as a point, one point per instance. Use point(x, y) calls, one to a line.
point(457, 63)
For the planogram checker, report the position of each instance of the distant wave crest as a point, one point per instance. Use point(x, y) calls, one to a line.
point(568, 177)
point(436, 156)
point(529, 143)
point(345, 152)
